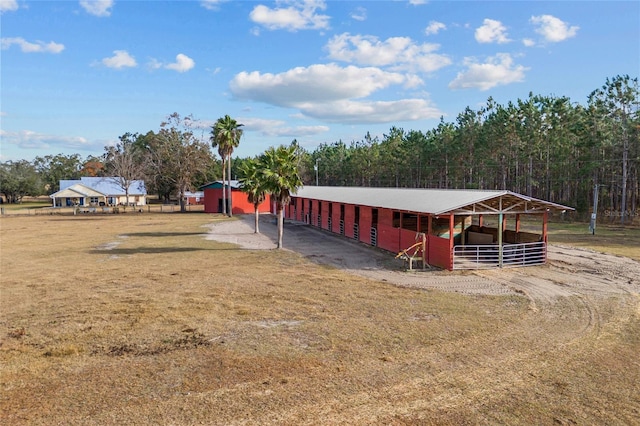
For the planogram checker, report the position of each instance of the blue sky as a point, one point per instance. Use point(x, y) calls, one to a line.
point(77, 74)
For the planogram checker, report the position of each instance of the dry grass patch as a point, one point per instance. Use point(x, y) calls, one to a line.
point(138, 319)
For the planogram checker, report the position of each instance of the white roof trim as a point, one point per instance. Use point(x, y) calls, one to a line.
point(431, 201)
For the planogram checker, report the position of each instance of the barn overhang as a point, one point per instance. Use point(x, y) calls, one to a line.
point(508, 203)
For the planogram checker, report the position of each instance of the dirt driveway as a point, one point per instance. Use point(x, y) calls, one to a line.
point(575, 283)
point(569, 272)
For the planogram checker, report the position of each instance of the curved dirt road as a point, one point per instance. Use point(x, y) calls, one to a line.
point(570, 271)
point(576, 285)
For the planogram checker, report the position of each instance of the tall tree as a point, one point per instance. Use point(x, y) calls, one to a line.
point(18, 179)
point(54, 168)
point(93, 166)
point(281, 179)
point(176, 157)
point(618, 100)
point(252, 183)
point(124, 165)
point(226, 134)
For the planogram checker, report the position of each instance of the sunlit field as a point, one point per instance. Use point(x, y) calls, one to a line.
point(138, 319)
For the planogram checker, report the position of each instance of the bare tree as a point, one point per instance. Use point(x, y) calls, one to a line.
point(124, 164)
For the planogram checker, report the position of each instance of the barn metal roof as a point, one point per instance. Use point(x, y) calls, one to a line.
point(235, 184)
point(432, 201)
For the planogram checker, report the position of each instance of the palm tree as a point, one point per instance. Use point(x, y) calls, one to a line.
point(226, 134)
point(281, 179)
point(253, 185)
point(221, 152)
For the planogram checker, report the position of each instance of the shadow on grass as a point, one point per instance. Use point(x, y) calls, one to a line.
point(158, 250)
point(163, 234)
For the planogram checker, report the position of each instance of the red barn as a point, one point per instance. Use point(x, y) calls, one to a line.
point(453, 229)
point(239, 201)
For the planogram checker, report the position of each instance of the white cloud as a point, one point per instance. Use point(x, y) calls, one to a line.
point(400, 53)
point(491, 31)
point(97, 7)
point(27, 139)
point(278, 128)
point(328, 92)
point(29, 47)
point(8, 5)
point(183, 63)
point(528, 42)
point(317, 83)
point(212, 4)
point(417, 2)
point(363, 112)
point(360, 14)
point(496, 71)
point(553, 29)
point(120, 59)
point(291, 15)
point(434, 27)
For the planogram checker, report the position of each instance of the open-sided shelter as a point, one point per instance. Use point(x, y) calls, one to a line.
point(453, 229)
point(239, 200)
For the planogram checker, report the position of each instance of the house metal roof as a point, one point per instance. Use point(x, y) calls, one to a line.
point(432, 201)
point(107, 185)
point(77, 191)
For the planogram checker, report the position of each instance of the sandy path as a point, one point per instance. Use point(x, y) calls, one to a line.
point(570, 271)
point(575, 284)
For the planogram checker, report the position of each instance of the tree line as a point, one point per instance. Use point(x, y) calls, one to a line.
point(546, 147)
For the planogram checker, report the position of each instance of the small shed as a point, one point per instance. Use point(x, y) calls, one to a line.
point(239, 200)
point(194, 198)
point(452, 229)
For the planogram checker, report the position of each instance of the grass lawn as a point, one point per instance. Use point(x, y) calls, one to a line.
point(138, 319)
point(614, 239)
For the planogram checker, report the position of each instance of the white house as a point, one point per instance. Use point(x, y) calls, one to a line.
point(95, 191)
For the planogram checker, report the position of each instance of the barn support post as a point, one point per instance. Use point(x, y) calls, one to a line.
point(451, 225)
point(545, 218)
point(500, 230)
point(518, 222)
point(480, 221)
point(429, 230)
point(424, 250)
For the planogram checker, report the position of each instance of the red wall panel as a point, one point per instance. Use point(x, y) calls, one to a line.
point(365, 224)
point(349, 219)
point(440, 254)
point(407, 239)
point(325, 215)
point(335, 218)
point(241, 204)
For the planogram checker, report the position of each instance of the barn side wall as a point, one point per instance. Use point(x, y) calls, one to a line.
point(241, 204)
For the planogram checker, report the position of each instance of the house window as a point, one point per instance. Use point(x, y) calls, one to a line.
point(93, 200)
